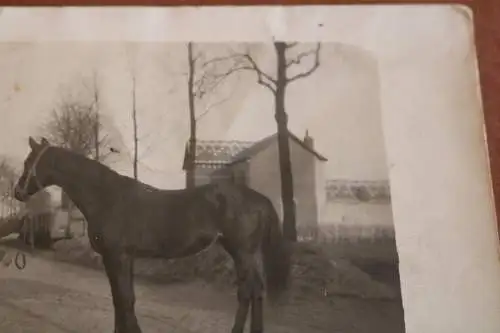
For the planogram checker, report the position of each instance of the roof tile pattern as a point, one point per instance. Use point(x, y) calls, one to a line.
point(219, 152)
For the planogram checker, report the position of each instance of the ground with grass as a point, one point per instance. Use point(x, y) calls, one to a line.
point(329, 293)
point(314, 272)
point(352, 293)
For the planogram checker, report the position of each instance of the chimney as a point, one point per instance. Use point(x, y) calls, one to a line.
point(308, 141)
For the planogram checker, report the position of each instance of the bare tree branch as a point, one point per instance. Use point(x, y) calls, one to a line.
point(261, 76)
point(73, 124)
point(146, 151)
point(134, 123)
point(198, 57)
point(211, 73)
point(210, 81)
point(297, 60)
point(291, 45)
point(211, 106)
point(8, 176)
point(315, 66)
point(204, 77)
point(217, 60)
point(246, 62)
point(145, 136)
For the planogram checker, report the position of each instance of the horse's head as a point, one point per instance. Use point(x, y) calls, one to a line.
point(36, 173)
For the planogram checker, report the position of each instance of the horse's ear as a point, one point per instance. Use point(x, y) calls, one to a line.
point(33, 144)
point(45, 142)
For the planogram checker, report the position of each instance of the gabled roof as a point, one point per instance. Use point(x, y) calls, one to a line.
point(219, 152)
point(266, 142)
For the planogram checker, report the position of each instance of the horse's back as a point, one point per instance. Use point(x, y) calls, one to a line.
point(176, 223)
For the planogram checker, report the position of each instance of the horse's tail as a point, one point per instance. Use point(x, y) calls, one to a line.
point(275, 256)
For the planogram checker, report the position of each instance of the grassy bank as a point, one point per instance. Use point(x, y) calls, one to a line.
point(315, 273)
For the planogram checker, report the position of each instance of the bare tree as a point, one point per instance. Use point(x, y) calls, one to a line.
point(205, 75)
point(8, 176)
point(191, 149)
point(7, 171)
point(131, 59)
point(75, 125)
point(97, 123)
point(10, 208)
point(134, 123)
point(286, 64)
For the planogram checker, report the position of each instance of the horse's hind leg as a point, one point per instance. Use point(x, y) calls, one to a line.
point(257, 320)
point(252, 290)
point(249, 287)
point(243, 293)
point(243, 307)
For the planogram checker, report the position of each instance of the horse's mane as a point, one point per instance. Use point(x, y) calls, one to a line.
point(93, 170)
point(84, 163)
point(96, 170)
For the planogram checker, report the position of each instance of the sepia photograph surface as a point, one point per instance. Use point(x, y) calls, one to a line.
point(206, 185)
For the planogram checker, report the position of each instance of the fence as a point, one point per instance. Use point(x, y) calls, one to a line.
point(339, 232)
point(353, 233)
point(9, 206)
point(33, 221)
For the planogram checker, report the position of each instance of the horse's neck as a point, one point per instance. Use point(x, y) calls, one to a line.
point(85, 186)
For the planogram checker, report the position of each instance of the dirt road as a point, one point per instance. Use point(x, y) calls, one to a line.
point(56, 297)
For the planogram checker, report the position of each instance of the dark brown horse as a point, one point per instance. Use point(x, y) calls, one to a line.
point(128, 219)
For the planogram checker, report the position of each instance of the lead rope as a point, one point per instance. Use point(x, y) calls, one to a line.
point(20, 259)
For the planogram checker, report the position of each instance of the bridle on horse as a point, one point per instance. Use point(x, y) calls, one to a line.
point(32, 171)
point(20, 259)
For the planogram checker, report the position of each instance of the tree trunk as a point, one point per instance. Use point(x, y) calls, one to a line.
point(191, 153)
point(97, 121)
point(134, 121)
point(287, 195)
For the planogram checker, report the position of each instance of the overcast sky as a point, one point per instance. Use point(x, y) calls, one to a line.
point(339, 104)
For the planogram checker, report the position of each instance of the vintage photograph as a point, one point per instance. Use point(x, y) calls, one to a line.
point(195, 187)
point(297, 123)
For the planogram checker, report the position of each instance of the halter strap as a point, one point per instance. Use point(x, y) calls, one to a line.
point(32, 170)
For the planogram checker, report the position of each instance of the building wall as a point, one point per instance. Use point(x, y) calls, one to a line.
point(321, 198)
point(40, 203)
point(264, 176)
point(355, 220)
point(240, 173)
point(203, 175)
point(206, 174)
point(358, 214)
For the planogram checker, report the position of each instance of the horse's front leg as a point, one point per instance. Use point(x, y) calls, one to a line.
point(120, 271)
